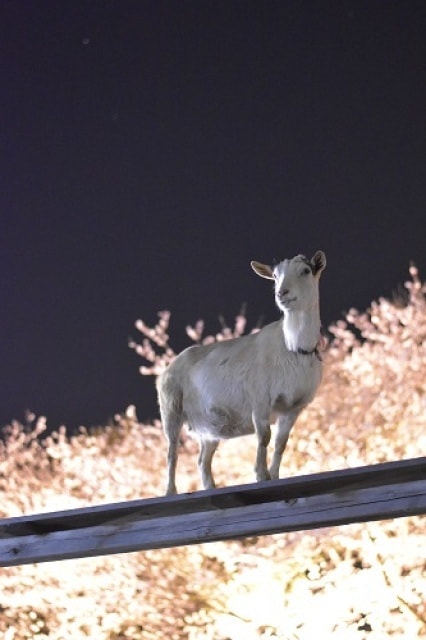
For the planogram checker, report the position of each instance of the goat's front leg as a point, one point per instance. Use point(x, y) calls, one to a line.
point(285, 424)
point(207, 449)
point(263, 432)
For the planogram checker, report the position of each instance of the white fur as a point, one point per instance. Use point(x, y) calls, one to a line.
point(237, 387)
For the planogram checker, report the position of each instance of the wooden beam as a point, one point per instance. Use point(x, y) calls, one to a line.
point(375, 492)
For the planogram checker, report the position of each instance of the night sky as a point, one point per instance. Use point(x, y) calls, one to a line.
point(151, 149)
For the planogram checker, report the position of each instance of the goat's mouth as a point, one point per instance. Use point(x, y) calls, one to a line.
point(287, 302)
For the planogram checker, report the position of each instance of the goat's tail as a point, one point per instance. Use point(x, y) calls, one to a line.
point(170, 395)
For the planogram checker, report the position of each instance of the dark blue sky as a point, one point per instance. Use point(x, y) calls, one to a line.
point(151, 149)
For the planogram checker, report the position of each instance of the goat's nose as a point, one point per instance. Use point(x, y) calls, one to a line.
point(283, 292)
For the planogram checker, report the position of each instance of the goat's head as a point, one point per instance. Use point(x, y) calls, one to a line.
point(296, 280)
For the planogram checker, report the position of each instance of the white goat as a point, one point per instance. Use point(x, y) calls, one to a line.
point(237, 387)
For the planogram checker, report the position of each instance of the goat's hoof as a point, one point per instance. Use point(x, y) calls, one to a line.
point(171, 491)
point(263, 476)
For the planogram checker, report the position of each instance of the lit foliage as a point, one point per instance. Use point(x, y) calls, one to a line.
point(155, 348)
point(356, 582)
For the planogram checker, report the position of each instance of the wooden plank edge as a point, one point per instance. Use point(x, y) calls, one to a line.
point(313, 512)
point(227, 497)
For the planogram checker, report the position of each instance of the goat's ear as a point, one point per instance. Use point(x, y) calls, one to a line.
point(262, 270)
point(318, 262)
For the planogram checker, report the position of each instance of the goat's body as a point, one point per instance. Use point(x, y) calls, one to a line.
point(211, 388)
point(237, 387)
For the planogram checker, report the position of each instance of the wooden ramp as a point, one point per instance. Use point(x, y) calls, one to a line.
point(377, 492)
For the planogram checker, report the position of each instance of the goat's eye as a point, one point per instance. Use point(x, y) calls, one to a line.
point(306, 271)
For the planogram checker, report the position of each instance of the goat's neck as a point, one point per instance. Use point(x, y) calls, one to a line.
point(302, 330)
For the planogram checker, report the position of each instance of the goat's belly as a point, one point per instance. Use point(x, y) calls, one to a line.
point(221, 423)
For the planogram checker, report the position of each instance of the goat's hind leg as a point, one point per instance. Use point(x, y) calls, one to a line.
point(172, 425)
